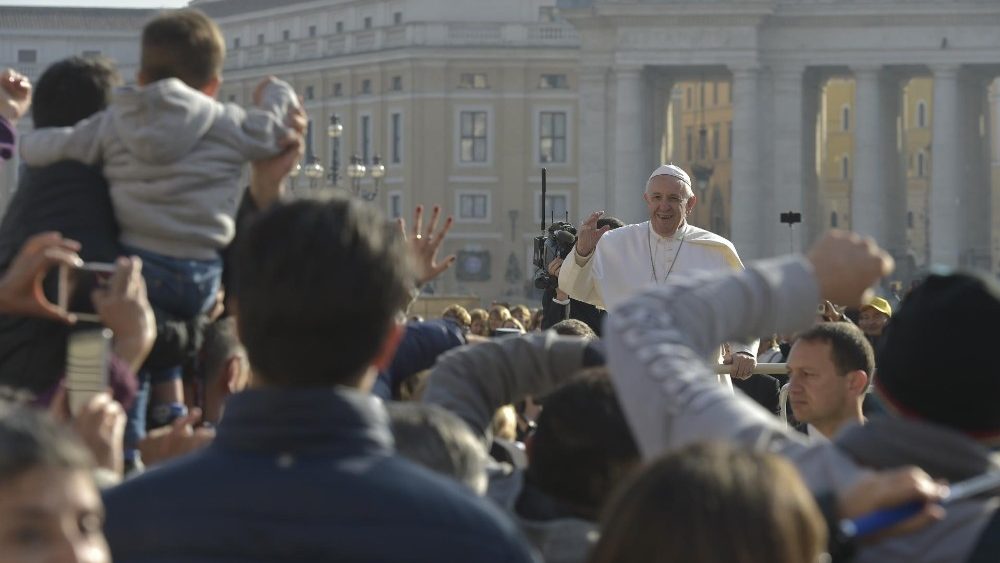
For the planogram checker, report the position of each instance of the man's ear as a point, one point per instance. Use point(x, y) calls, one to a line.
point(857, 381)
point(692, 201)
point(387, 352)
point(232, 375)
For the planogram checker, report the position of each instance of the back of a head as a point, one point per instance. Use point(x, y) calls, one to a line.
point(73, 89)
point(30, 439)
point(458, 314)
point(574, 327)
point(184, 44)
point(440, 441)
point(922, 375)
point(849, 348)
point(320, 285)
point(713, 504)
point(582, 447)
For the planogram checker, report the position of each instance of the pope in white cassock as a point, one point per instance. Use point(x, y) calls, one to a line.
point(631, 257)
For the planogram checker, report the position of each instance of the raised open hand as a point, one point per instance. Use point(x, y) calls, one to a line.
point(424, 244)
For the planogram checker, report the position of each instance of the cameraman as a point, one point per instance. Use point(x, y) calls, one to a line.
point(557, 305)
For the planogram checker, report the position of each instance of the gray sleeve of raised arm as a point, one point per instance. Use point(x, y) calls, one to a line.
point(473, 381)
point(657, 343)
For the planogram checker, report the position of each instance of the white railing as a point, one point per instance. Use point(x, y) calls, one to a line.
point(413, 34)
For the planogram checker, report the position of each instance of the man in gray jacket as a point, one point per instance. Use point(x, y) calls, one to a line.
point(946, 417)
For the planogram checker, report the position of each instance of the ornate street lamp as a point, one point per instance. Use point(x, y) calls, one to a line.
point(334, 131)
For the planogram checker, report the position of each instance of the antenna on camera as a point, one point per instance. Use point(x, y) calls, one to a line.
point(544, 174)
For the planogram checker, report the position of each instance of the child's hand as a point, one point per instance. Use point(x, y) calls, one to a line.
point(258, 92)
point(15, 94)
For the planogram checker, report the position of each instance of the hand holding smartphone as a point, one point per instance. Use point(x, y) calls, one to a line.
point(88, 356)
point(75, 286)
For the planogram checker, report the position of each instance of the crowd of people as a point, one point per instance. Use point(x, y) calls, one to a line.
point(296, 414)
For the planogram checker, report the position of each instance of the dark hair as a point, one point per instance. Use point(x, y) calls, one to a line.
point(574, 327)
point(320, 283)
point(440, 441)
point(613, 222)
point(73, 89)
point(849, 349)
point(582, 447)
point(30, 439)
point(713, 503)
point(184, 44)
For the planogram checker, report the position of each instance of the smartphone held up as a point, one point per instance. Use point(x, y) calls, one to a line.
point(76, 286)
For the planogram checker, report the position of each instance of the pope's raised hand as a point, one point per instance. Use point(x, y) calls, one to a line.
point(588, 234)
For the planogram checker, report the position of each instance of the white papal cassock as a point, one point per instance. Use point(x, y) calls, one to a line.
point(632, 257)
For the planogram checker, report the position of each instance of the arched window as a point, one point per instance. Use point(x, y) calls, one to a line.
point(833, 219)
point(845, 118)
point(845, 167)
point(921, 114)
point(921, 165)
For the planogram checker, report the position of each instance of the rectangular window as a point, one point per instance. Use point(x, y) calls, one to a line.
point(366, 86)
point(397, 138)
point(366, 138)
point(260, 38)
point(397, 18)
point(309, 93)
point(552, 136)
point(397, 83)
point(716, 132)
point(312, 31)
point(556, 207)
point(236, 42)
point(715, 93)
point(690, 143)
point(702, 142)
point(473, 80)
point(368, 22)
point(553, 82)
point(338, 89)
point(473, 136)
point(687, 95)
point(339, 27)
point(27, 56)
point(729, 139)
point(286, 35)
point(395, 205)
point(473, 206)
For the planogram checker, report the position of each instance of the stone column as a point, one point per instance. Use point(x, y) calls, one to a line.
point(814, 223)
point(892, 161)
point(593, 138)
point(976, 180)
point(945, 201)
point(786, 191)
point(629, 164)
point(747, 194)
point(866, 189)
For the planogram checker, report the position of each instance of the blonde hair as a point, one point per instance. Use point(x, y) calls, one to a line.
point(505, 423)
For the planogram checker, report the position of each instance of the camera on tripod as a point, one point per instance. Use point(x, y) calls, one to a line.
point(554, 242)
point(559, 240)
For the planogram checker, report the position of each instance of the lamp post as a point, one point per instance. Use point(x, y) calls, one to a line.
point(313, 170)
point(334, 132)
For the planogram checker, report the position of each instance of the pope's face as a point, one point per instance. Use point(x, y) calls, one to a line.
point(669, 204)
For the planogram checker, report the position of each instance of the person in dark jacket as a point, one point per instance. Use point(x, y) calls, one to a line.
point(67, 197)
point(303, 466)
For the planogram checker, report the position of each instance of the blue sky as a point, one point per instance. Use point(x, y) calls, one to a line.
point(98, 3)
